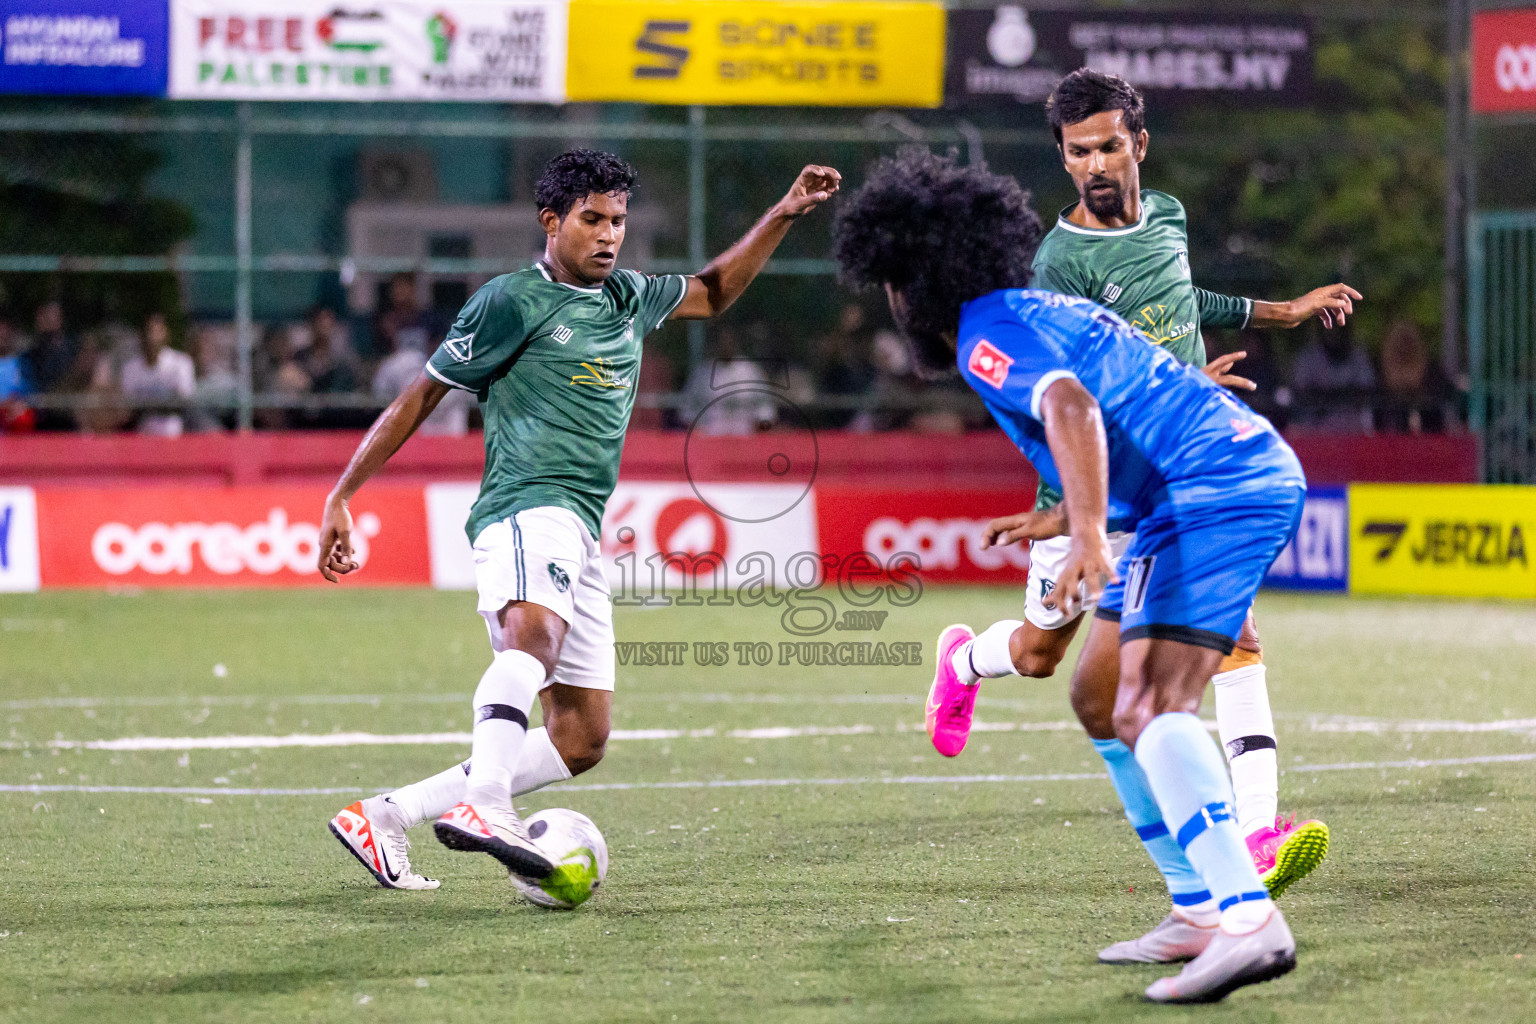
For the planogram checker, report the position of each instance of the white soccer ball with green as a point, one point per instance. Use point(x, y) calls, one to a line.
point(578, 851)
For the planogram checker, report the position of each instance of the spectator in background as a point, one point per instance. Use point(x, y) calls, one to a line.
point(1271, 398)
point(403, 323)
point(218, 380)
point(331, 369)
point(15, 415)
point(159, 373)
point(1332, 383)
point(404, 365)
point(845, 370)
point(726, 395)
point(1415, 392)
point(54, 365)
point(277, 374)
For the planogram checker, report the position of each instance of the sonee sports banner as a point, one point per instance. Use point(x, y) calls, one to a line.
point(389, 50)
point(799, 54)
point(1012, 56)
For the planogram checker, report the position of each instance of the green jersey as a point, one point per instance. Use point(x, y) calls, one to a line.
point(554, 367)
point(1140, 272)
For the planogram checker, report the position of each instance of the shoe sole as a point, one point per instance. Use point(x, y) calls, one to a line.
point(380, 878)
point(1297, 858)
point(1267, 968)
point(938, 660)
point(520, 862)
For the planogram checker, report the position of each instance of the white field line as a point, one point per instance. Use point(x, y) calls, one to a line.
point(384, 699)
point(893, 780)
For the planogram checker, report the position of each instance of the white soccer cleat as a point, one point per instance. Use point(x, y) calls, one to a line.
point(379, 847)
point(1173, 940)
point(496, 831)
point(1229, 963)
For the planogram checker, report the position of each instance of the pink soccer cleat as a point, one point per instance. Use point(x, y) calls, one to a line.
point(950, 702)
point(1286, 852)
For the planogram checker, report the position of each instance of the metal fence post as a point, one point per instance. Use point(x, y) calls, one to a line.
point(245, 342)
point(696, 242)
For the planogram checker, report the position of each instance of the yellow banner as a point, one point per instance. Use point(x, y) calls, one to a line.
point(1451, 540)
point(715, 52)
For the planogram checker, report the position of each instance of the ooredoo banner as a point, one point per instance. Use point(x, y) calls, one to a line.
point(222, 537)
point(941, 530)
point(1504, 61)
point(386, 50)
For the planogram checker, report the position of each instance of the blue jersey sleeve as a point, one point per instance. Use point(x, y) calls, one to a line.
point(1010, 364)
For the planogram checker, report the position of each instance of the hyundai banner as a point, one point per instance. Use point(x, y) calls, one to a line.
point(387, 50)
point(83, 47)
point(1010, 55)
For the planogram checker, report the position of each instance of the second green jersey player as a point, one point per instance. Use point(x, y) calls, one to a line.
point(553, 354)
point(1126, 248)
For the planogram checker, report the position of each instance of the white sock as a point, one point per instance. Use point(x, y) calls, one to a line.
point(1204, 914)
point(1242, 918)
point(539, 765)
point(427, 800)
point(987, 656)
point(1247, 730)
point(502, 700)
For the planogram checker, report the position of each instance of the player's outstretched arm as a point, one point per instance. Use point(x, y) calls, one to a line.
point(714, 288)
point(1074, 429)
point(1330, 304)
point(392, 429)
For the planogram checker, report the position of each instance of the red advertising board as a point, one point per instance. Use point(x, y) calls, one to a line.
point(222, 536)
point(942, 528)
point(1504, 61)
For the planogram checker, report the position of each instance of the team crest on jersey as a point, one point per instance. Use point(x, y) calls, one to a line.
point(559, 577)
point(1183, 258)
point(629, 328)
point(989, 363)
point(600, 374)
point(562, 334)
point(461, 349)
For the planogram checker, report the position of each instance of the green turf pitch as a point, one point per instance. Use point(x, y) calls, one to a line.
point(858, 896)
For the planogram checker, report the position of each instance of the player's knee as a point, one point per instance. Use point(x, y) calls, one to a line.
point(1096, 714)
point(1036, 664)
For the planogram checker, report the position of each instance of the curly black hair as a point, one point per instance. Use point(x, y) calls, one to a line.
point(941, 235)
point(1086, 92)
point(578, 173)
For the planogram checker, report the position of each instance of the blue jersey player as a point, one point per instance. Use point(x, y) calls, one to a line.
point(1127, 433)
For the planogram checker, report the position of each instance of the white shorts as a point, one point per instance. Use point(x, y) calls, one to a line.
point(545, 556)
point(1045, 561)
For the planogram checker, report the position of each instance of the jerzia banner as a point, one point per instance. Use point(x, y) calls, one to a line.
point(1013, 56)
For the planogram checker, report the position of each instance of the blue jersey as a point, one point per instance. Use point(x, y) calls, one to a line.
point(1176, 439)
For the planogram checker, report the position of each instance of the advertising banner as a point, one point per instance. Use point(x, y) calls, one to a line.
point(943, 530)
point(1317, 558)
point(1013, 56)
point(1504, 61)
point(1445, 540)
point(18, 540)
point(717, 52)
point(83, 47)
point(222, 536)
point(385, 50)
point(648, 522)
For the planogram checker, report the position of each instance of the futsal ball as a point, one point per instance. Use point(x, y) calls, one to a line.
point(577, 850)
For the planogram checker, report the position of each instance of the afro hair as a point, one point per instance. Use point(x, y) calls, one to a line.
point(578, 173)
point(941, 235)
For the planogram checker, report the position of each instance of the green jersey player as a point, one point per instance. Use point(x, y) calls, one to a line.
point(1125, 248)
point(553, 353)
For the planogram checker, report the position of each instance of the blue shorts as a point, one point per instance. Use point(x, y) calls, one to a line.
point(1192, 574)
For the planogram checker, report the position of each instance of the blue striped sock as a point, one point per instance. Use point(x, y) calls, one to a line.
point(1184, 882)
point(1187, 774)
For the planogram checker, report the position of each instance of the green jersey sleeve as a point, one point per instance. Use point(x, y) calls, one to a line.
point(1223, 310)
point(658, 297)
point(1056, 279)
point(483, 341)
